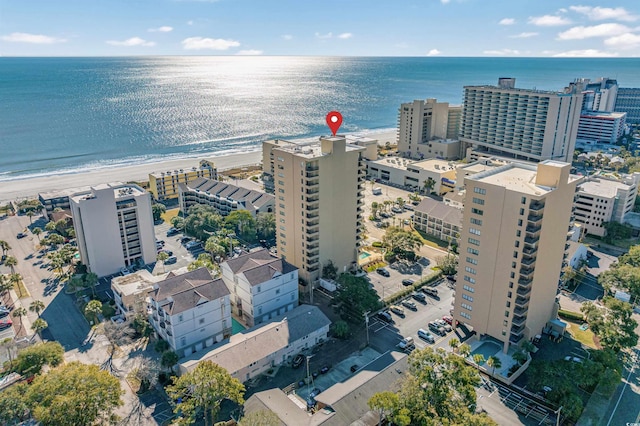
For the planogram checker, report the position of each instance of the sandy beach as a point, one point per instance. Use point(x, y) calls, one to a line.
point(30, 187)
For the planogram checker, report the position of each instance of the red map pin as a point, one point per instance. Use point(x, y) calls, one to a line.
point(334, 121)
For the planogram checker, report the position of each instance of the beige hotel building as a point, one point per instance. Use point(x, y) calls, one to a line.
point(317, 186)
point(512, 245)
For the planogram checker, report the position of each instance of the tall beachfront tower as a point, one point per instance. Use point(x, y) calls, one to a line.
point(512, 244)
point(114, 227)
point(531, 125)
point(319, 206)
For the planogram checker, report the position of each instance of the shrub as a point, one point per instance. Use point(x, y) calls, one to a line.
point(377, 244)
point(575, 316)
point(161, 346)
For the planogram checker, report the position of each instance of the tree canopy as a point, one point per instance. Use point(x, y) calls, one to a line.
point(355, 297)
point(624, 274)
point(613, 323)
point(31, 360)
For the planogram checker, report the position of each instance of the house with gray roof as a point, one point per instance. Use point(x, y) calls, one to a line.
point(191, 311)
point(254, 351)
point(438, 219)
point(344, 403)
point(223, 197)
point(262, 286)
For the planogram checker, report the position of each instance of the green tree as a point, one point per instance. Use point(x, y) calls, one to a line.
point(340, 329)
point(448, 263)
point(205, 261)
point(11, 263)
point(19, 313)
point(243, 223)
point(53, 240)
point(384, 403)
point(355, 297)
point(5, 284)
point(50, 226)
point(13, 407)
point(39, 325)
point(75, 284)
point(494, 362)
point(568, 275)
point(93, 309)
point(613, 324)
point(74, 394)
point(169, 359)
point(478, 359)
point(15, 280)
point(215, 246)
point(260, 418)
point(204, 388)
point(37, 306)
point(202, 222)
point(31, 214)
point(329, 271)
point(397, 240)
point(428, 185)
point(162, 257)
point(37, 231)
point(177, 222)
point(157, 210)
point(454, 344)
point(464, 350)
point(31, 360)
point(4, 246)
point(266, 226)
point(632, 257)
point(520, 357)
point(90, 281)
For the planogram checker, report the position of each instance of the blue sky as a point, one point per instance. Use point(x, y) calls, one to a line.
point(523, 28)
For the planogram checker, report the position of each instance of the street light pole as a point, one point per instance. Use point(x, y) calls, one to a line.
point(366, 323)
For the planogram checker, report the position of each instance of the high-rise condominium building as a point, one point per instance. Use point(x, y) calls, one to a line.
point(512, 244)
point(319, 190)
point(601, 127)
point(628, 101)
point(164, 185)
point(114, 227)
point(422, 121)
point(599, 95)
point(531, 125)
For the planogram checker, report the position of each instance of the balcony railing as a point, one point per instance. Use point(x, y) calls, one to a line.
point(536, 206)
point(522, 301)
point(516, 339)
point(530, 251)
point(531, 240)
point(520, 311)
point(528, 260)
point(519, 321)
point(533, 228)
point(523, 291)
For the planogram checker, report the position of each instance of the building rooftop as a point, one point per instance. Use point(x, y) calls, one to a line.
point(256, 343)
point(259, 266)
point(203, 165)
point(455, 196)
point(139, 281)
point(606, 188)
point(178, 293)
point(120, 190)
point(604, 115)
point(432, 164)
point(241, 195)
point(50, 195)
point(313, 149)
point(516, 90)
point(440, 210)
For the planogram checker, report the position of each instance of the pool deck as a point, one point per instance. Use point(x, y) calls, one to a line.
point(506, 360)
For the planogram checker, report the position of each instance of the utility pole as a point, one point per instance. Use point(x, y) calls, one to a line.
point(366, 323)
point(558, 416)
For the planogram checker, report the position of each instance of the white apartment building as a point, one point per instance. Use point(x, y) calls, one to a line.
point(262, 286)
point(598, 95)
point(256, 350)
point(438, 219)
point(223, 197)
point(413, 174)
point(601, 127)
point(191, 311)
point(421, 123)
point(523, 124)
point(604, 199)
point(317, 185)
point(114, 227)
point(512, 245)
point(164, 185)
point(130, 291)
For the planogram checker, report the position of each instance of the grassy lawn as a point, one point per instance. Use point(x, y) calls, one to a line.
point(170, 214)
point(432, 241)
point(22, 290)
point(585, 337)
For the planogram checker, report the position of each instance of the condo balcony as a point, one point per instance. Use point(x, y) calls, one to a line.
point(311, 215)
point(310, 168)
point(532, 241)
point(312, 174)
point(313, 255)
point(522, 301)
point(526, 276)
point(530, 251)
point(523, 291)
point(162, 324)
point(312, 199)
point(532, 229)
point(519, 321)
point(520, 311)
point(312, 246)
point(169, 333)
point(312, 191)
point(516, 339)
point(536, 206)
point(528, 260)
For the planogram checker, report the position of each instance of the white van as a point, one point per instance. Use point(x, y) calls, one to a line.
point(377, 191)
point(406, 343)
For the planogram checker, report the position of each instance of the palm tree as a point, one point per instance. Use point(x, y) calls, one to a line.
point(5, 284)
point(37, 306)
point(19, 313)
point(4, 246)
point(478, 359)
point(428, 185)
point(93, 308)
point(37, 231)
point(214, 246)
point(453, 344)
point(90, 280)
point(11, 262)
point(15, 280)
point(520, 357)
point(464, 350)
point(39, 325)
point(527, 346)
point(162, 257)
point(75, 284)
point(50, 226)
point(494, 362)
point(31, 214)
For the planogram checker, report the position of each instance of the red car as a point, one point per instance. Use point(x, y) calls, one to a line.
point(447, 319)
point(5, 323)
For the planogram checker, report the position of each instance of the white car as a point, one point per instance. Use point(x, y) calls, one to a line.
point(424, 334)
point(573, 358)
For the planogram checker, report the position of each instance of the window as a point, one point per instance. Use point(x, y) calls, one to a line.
point(506, 314)
point(472, 260)
point(513, 264)
point(280, 182)
point(518, 233)
point(477, 211)
point(183, 341)
point(475, 221)
point(479, 201)
point(472, 251)
point(515, 254)
point(280, 197)
point(180, 318)
point(517, 244)
point(513, 275)
point(508, 304)
point(277, 291)
point(469, 279)
point(467, 306)
point(470, 270)
point(523, 200)
point(474, 241)
point(469, 289)
point(280, 190)
point(201, 321)
point(510, 295)
point(465, 315)
point(258, 289)
point(519, 223)
point(510, 285)
point(521, 212)
point(505, 323)
point(474, 231)
point(280, 159)
point(467, 297)
point(480, 191)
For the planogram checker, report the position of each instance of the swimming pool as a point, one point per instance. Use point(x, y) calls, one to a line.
point(363, 255)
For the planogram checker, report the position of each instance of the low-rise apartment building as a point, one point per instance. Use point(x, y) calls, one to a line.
point(131, 291)
point(191, 311)
point(414, 174)
point(262, 286)
point(52, 200)
point(438, 219)
point(164, 185)
point(224, 197)
point(604, 199)
point(256, 350)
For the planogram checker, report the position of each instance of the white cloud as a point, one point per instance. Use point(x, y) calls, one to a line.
point(130, 42)
point(189, 22)
point(601, 13)
point(324, 36)
point(502, 52)
point(623, 41)
point(548, 21)
point(507, 21)
point(434, 52)
point(31, 38)
point(287, 37)
point(445, 1)
point(587, 53)
point(602, 30)
point(250, 52)
point(163, 29)
point(345, 36)
point(200, 43)
point(524, 35)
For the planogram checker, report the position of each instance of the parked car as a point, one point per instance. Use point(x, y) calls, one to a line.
point(385, 316)
point(444, 325)
point(406, 343)
point(398, 310)
point(419, 296)
point(169, 252)
point(297, 361)
point(428, 337)
point(396, 209)
point(21, 235)
point(4, 311)
point(409, 304)
point(383, 272)
point(171, 260)
point(325, 369)
point(447, 319)
point(407, 282)
point(573, 358)
point(5, 323)
point(185, 240)
point(433, 292)
point(172, 231)
point(191, 245)
point(433, 326)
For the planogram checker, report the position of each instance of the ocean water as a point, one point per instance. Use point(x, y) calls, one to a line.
point(70, 114)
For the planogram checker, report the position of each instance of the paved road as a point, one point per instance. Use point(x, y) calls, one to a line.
point(624, 408)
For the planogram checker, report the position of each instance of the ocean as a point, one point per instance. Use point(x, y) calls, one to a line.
point(62, 115)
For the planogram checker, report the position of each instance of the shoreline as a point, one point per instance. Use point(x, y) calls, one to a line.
point(29, 187)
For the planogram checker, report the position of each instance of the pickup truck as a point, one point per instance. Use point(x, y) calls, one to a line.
point(406, 344)
point(398, 310)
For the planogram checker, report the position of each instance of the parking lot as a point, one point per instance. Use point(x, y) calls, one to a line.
point(399, 271)
point(184, 257)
